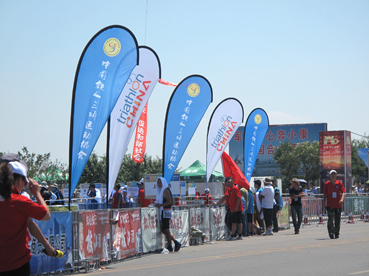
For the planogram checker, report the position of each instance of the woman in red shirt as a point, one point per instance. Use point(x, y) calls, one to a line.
point(15, 211)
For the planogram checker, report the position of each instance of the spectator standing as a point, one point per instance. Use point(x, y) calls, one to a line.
point(15, 211)
point(206, 197)
point(313, 190)
point(236, 208)
point(250, 213)
point(257, 216)
point(267, 202)
point(296, 193)
point(245, 202)
point(117, 197)
point(126, 200)
point(333, 197)
point(278, 205)
point(142, 201)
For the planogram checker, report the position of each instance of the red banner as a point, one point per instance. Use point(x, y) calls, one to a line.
point(94, 226)
point(140, 138)
point(127, 234)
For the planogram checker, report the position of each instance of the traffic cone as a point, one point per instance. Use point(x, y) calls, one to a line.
point(367, 217)
point(350, 218)
point(362, 215)
point(321, 220)
point(306, 221)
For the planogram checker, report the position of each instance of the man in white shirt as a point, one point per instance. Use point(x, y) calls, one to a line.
point(267, 197)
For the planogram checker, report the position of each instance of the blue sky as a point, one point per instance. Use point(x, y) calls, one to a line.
point(301, 61)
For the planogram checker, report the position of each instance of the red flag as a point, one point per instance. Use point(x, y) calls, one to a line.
point(230, 169)
point(167, 82)
point(139, 147)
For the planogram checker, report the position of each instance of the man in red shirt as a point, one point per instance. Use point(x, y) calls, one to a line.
point(206, 197)
point(142, 201)
point(333, 197)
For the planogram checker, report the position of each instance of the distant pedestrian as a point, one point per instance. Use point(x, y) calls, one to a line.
point(333, 197)
point(257, 212)
point(267, 202)
point(278, 205)
point(296, 193)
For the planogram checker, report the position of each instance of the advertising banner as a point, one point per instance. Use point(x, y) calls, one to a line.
point(223, 124)
point(217, 225)
point(58, 231)
point(179, 226)
point(257, 125)
point(103, 69)
point(139, 147)
point(152, 238)
point(335, 154)
point(150, 185)
point(284, 216)
point(186, 108)
point(94, 235)
point(199, 218)
point(127, 233)
point(276, 134)
point(128, 109)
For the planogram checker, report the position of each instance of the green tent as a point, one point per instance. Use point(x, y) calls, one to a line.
point(197, 173)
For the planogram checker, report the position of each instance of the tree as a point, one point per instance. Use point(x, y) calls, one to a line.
point(287, 160)
point(308, 156)
point(95, 170)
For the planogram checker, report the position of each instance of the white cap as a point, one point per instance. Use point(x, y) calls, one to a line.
point(18, 168)
point(332, 171)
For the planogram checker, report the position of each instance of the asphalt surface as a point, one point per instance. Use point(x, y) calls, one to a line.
point(311, 252)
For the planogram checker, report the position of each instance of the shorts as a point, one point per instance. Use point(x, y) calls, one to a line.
point(164, 223)
point(237, 217)
point(249, 217)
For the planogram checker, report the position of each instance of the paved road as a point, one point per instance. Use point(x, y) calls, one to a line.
point(311, 252)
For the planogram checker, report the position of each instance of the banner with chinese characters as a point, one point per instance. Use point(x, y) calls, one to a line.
point(103, 69)
point(218, 228)
point(152, 238)
point(139, 146)
point(199, 219)
point(129, 108)
point(58, 231)
point(127, 233)
point(223, 123)
point(179, 226)
point(186, 108)
point(94, 235)
point(255, 129)
point(335, 154)
point(265, 165)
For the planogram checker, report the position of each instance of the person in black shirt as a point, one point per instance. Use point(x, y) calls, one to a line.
point(296, 193)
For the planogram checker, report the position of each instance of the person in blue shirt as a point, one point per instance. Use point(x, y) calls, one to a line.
point(278, 205)
point(257, 217)
point(313, 190)
point(250, 212)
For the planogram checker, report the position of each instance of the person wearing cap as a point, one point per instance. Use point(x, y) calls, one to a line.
point(126, 200)
point(15, 211)
point(333, 197)
point(206, 197)
point(296, 193)
point(142, 201)
point(267, 202)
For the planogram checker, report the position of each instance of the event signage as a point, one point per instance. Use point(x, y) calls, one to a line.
point(129, 108)
point(223, 124)
point(335, 154)
point(255, 129)
point(103, 69)
point(150, 185)
point(58, 231)
point(265, 165)
point(139, 146)
point(186, 108)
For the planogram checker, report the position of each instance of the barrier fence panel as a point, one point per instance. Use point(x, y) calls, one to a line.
point(217, 224)
point(94, 235)
point(126, 233)
point(356, 205)
point(152, 239)
point(179, 226)
point(58, 231)
point(312, 207)
point(199, 219)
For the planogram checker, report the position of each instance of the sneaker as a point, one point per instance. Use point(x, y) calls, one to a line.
point(336, 236)
point(297, 232)
point(229, 238)
point(331, 235)
point(239, 238)
point(170, 248)
point(177, 246)
point(234, 238)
